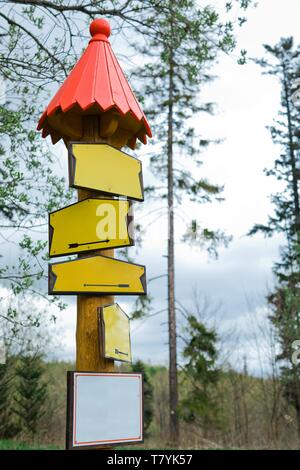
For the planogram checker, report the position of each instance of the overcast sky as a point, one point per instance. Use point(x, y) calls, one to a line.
point(246, 103)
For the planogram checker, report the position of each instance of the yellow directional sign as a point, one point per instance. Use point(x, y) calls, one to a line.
point(116, 326)
point(90, 224)
point(100, 167)
point(98, 275)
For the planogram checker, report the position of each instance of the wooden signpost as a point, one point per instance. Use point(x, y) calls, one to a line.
point(90, 224)
point(98, 275)
point(100, 167)
point(115, 324)
point(96, 113)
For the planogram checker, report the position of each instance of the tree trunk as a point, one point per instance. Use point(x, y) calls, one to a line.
point(173, 386)
point(292, 153)
point(296, 208)
point(296, 392)
point(88, 333)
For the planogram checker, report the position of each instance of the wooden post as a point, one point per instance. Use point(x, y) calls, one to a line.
point(96, 85)
point(88, 332)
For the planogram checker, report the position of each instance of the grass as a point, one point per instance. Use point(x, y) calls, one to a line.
point(7, 444)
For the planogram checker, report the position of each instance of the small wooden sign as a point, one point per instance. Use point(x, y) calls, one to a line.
point(104, 409)
point(100, 167)
point(115, 325)
point(97, 275)
point(90, 224)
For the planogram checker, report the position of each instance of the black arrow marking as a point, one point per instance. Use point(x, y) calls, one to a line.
point(75, 245)
point(106, 285)
point(120, 352)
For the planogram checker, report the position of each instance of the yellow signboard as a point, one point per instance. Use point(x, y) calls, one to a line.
point(100, 167)
point(97, 275)
point(90, 225)
point(116, 327)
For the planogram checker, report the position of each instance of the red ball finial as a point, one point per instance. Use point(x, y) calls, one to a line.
point(100, 29)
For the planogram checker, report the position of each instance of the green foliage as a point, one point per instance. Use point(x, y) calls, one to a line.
point(139, 366)
point(4, 400)
point(7, 426)
point(285, 298)
point(185, 42)
point(285, 304)
point(142, 307)
point(246, 407)
point(205, 238)
point(201, 373)
point(39, 46)
point(285, 65)
point(6, 444)
point(180, 53)
point(29, 189)
point(31, 393)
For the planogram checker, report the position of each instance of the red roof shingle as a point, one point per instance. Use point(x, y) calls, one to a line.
point(96, 85)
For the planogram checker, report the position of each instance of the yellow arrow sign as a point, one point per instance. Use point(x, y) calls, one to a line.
point(100, 167)
point(90, 225)
point(98, 275)
point(116, 327)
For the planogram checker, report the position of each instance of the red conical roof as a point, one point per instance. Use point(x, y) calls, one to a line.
point(96, 85)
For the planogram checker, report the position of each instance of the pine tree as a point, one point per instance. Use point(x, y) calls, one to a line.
point(285, 298)
point(199, 404)
point(184, 42)
point(31, 393)
point(8, 428)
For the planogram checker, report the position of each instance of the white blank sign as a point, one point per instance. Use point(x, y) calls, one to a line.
point(104, 409)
